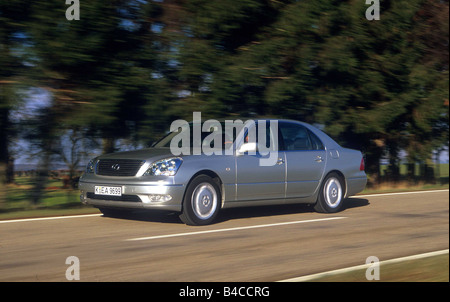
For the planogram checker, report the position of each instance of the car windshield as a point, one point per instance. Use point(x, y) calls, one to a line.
point(216, 138)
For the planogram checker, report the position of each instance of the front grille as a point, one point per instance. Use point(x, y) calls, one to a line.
point(119, 167)
point(127, 198)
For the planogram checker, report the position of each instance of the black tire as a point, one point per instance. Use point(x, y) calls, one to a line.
point(331, 194)
point(201, 202)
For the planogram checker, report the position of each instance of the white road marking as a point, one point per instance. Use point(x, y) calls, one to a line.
point(233, 229)
point(49, 218)
point(363, 266)
point(400, 193)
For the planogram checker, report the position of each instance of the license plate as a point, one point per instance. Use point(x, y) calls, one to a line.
point(112, 191)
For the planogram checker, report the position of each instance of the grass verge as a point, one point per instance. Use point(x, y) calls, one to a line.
point(430, 269)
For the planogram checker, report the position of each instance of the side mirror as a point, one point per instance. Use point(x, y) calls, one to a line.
point(247, 147)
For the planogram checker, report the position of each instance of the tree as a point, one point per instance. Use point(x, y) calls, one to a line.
point(429, 126)
point(97, 71)
point(209, 49)
point(13, 65)
point(323, 62)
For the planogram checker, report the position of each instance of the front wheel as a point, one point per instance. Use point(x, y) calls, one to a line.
point(201, 202)
point(331, 194)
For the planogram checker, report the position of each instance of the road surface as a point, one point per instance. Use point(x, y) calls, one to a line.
point(248, 244)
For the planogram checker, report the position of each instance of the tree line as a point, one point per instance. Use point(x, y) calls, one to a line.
point(128, 68)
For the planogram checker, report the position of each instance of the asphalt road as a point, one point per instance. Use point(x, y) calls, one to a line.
point(251, 244)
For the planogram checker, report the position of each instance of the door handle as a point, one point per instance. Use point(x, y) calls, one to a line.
point(280, 161)
point(319, 159)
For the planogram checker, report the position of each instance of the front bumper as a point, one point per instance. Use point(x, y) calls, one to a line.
point(135, 195)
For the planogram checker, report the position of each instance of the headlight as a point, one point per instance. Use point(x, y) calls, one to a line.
point(167, 167)
point(90, 168)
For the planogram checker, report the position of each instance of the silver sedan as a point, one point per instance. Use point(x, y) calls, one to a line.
point(292, 162)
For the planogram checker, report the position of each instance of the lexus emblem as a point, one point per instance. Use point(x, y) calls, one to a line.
point(115, 167)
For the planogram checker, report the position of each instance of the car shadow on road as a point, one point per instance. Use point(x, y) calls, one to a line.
point(238, 213)
point(149, 216)
point(354, 202)
point(280, 210)
point(263, 211)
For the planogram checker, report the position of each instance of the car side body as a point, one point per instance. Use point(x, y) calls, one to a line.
point(310, 168)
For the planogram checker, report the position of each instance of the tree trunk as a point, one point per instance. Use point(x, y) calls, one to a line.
point(41, 179)
point(10, 170)
point(4, 154)
point(108, 145)
point(2, 186)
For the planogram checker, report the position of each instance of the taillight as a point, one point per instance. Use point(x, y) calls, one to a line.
point(362, 165)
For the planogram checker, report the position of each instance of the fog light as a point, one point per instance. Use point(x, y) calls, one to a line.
point(83, 198)
point(159, 197)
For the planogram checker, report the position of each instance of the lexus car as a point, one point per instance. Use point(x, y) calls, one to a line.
point(198, 170)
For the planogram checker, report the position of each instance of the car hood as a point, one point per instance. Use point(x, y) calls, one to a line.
point(149, 155)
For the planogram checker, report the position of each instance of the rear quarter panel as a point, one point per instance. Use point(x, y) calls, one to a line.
point(348, 163)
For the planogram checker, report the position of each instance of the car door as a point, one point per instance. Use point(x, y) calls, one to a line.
point(305, 160)
point(256, 181)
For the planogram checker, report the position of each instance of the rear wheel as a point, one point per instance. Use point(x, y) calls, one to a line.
point(331, 194)
point(201, 202)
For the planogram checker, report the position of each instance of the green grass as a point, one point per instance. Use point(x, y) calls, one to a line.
point(443, 170)
point(430, 269)
point(56, 201)
point(402, 187)
point(18, 195)
point(441, 181)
